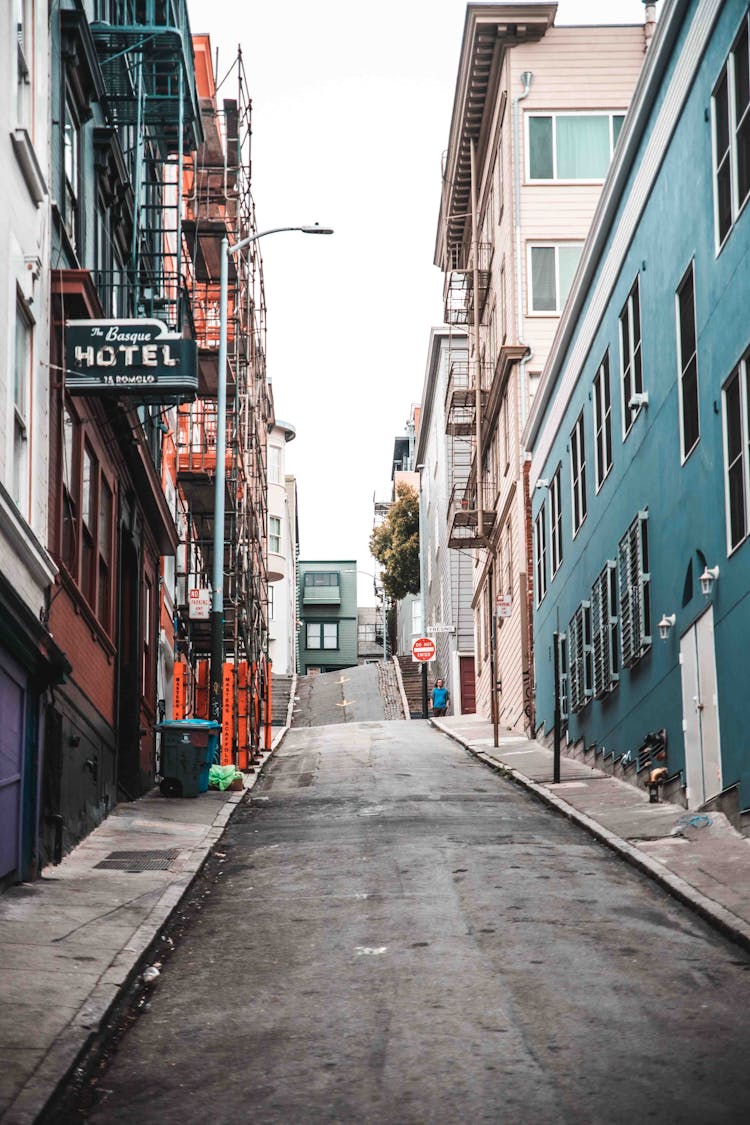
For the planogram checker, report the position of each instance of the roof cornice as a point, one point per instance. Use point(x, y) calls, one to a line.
point(489, 30)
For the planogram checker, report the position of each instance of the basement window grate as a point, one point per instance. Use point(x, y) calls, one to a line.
point(139, 861)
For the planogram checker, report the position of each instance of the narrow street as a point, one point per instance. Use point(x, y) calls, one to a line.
point(391, 933)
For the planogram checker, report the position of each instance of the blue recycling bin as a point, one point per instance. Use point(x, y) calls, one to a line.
point(189, 747)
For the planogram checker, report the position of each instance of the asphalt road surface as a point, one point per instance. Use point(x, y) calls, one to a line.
point(396, 935)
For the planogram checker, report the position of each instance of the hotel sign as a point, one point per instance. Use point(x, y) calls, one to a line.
point(129, 357)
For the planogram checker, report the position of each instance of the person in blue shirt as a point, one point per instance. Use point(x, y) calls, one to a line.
point(440, 698)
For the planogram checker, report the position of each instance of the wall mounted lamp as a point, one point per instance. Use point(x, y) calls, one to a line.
point(707, 579)
point(638, 399)
point(542, 483)
point(666, 625)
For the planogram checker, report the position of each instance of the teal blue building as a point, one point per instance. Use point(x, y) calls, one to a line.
point(327, 615)
point(640, 431)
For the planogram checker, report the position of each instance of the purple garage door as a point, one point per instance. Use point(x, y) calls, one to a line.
point(12, 695)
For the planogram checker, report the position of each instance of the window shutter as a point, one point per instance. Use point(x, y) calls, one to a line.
point(634, 580)
point(603, 621)
point(579, 655)
point(563, 686)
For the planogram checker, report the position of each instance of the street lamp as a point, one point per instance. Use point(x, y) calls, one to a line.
point(217, 600)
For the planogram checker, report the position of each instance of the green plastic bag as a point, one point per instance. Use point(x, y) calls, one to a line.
point(221, 777)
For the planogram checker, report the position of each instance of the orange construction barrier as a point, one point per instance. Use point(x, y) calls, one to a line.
point(227, 717)
point(178, 691)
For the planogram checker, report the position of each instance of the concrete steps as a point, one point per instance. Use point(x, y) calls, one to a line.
point(411, 674)
point(281, 687)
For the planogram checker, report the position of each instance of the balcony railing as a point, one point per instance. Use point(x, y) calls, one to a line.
point(463, 514)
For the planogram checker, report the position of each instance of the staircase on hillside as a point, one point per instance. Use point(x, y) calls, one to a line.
point(411, 674)
point(281, 687)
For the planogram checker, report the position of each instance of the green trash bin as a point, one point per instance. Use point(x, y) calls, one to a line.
point(189, 747)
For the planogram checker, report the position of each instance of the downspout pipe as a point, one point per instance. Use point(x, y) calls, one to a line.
point(526, 79)
point(476, 338)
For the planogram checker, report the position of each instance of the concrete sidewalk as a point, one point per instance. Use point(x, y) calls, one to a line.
point(699, 858)
point(70, 942)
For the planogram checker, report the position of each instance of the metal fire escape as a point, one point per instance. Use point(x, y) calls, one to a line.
point(218, 203)
point(465, 290)
point(146, 60)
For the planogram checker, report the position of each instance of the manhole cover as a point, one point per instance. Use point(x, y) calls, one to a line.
point(139, 861)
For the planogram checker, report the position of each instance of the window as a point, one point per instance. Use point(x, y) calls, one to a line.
point(89, 501)
point(274, 464)
point(322, 578)
point(540, 554)
point(69, 544)
point(274, 535)
point(730, 114)
point(555, 523)
point(508, 558)
point(322, 634)
point(104, 586)
point(630, 356)
point(634, 586)
point(571, 146)
point(578, 473)
point(551, 269)
point(271, 604)
point(24, 24)
point(579, 656)
point(71, 168)
point(602, 423)
point(21, 404)
point(366, 633)
point(148, 655)
point(604, 630)
point(687, 363)
point(736, 437)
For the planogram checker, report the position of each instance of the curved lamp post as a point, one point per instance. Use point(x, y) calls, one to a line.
point(217, 600)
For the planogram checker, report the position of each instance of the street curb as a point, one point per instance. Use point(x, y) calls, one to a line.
point(729, 924)
point(71, 1046)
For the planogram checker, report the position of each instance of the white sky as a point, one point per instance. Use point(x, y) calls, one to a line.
point(351, 112)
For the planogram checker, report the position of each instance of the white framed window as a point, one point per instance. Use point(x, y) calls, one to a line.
point(570, 146)
point(271, 603)
point(322, 635)
point(551, 268)
point(634, 582)
point(730, 129)
point(602, 423)
point(687, 364)
point(579, 657)
point(555, 522)
point(631, 367)
point(736, 437)
point(540, 554)
point(604, 641)
point(274, 465)
point(578, 473)
point(274, 535)
point(21, 406)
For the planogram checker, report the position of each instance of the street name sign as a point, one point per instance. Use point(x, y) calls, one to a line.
point(423, 650)
point(129, 357)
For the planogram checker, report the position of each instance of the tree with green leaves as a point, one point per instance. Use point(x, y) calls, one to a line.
point(395, 544)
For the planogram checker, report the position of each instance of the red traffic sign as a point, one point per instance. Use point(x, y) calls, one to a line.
point(423, 650)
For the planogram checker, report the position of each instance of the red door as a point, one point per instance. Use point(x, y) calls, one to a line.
point(468, 685)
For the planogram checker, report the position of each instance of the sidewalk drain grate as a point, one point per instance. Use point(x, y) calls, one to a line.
point(139, 861)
